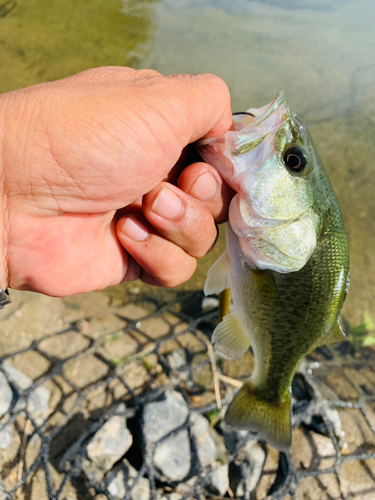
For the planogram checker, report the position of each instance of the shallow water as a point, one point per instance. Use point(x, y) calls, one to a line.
point(320, 53)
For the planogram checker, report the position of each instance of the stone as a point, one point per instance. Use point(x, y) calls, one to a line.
point(69, 457)
point(6, 395)
point(94, 474)
point(232, 438)
point(333, 416)
point(177, 359)
point(217, 479)
point(18, 378)
point(209, 303)
point(244, 479)
point(122, 477)
point(111, 441)
point(172, 457)
point(38, 404)
point(5, 437)
point(186, 486)
point(169, 496)
point(38, 399)
point(206, 446)
point(164, 416)
point(256, 456)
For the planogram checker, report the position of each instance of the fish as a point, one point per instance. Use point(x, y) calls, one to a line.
point(286, 261)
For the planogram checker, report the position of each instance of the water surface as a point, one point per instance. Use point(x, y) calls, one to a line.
point(320, 53)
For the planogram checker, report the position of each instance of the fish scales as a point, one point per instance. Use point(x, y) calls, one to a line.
point(287, 261)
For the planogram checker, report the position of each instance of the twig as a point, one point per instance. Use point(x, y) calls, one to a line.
point(26, 432)
point(230, 380)
point(230, 492)
point(211, 357)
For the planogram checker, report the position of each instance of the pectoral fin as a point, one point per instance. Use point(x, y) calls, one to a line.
point(218, 275)
point(230, 339)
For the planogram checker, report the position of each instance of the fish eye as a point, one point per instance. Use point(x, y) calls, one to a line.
point(295, 159)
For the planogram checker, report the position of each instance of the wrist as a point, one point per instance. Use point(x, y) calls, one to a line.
point(4, 220)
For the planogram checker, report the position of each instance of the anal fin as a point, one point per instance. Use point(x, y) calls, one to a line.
point(230, 339)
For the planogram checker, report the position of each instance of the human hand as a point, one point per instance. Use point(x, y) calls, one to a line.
point(87, 165)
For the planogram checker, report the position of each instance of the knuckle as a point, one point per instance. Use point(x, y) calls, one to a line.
point(147, 73)
point(208, 245)
point(216, 83)
point(201, 233)
point(182, 268)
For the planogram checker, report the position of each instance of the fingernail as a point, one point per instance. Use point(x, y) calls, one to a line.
point(167, 204)
point(204, 187)
point(134, 229)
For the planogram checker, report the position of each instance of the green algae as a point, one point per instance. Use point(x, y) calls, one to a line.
point(42, 40)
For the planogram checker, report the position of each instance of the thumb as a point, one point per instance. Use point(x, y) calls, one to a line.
point(203, 106)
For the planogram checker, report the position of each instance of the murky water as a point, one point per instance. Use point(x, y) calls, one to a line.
point(320, 52)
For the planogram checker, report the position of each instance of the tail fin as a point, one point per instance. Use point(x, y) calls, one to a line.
point(250, 411)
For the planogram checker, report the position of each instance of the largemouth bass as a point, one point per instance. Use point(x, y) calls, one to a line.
point(286, 262)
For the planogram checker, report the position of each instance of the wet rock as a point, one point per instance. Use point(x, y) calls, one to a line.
point(217, 479)
point(111, 441)
point(172, 457)
point(38, 399)
point(6, 395)
point(121, 478)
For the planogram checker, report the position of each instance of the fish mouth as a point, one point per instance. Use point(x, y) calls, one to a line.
point(254, 116)
point(254, 125)
point(279, 99)
point(247, 121)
